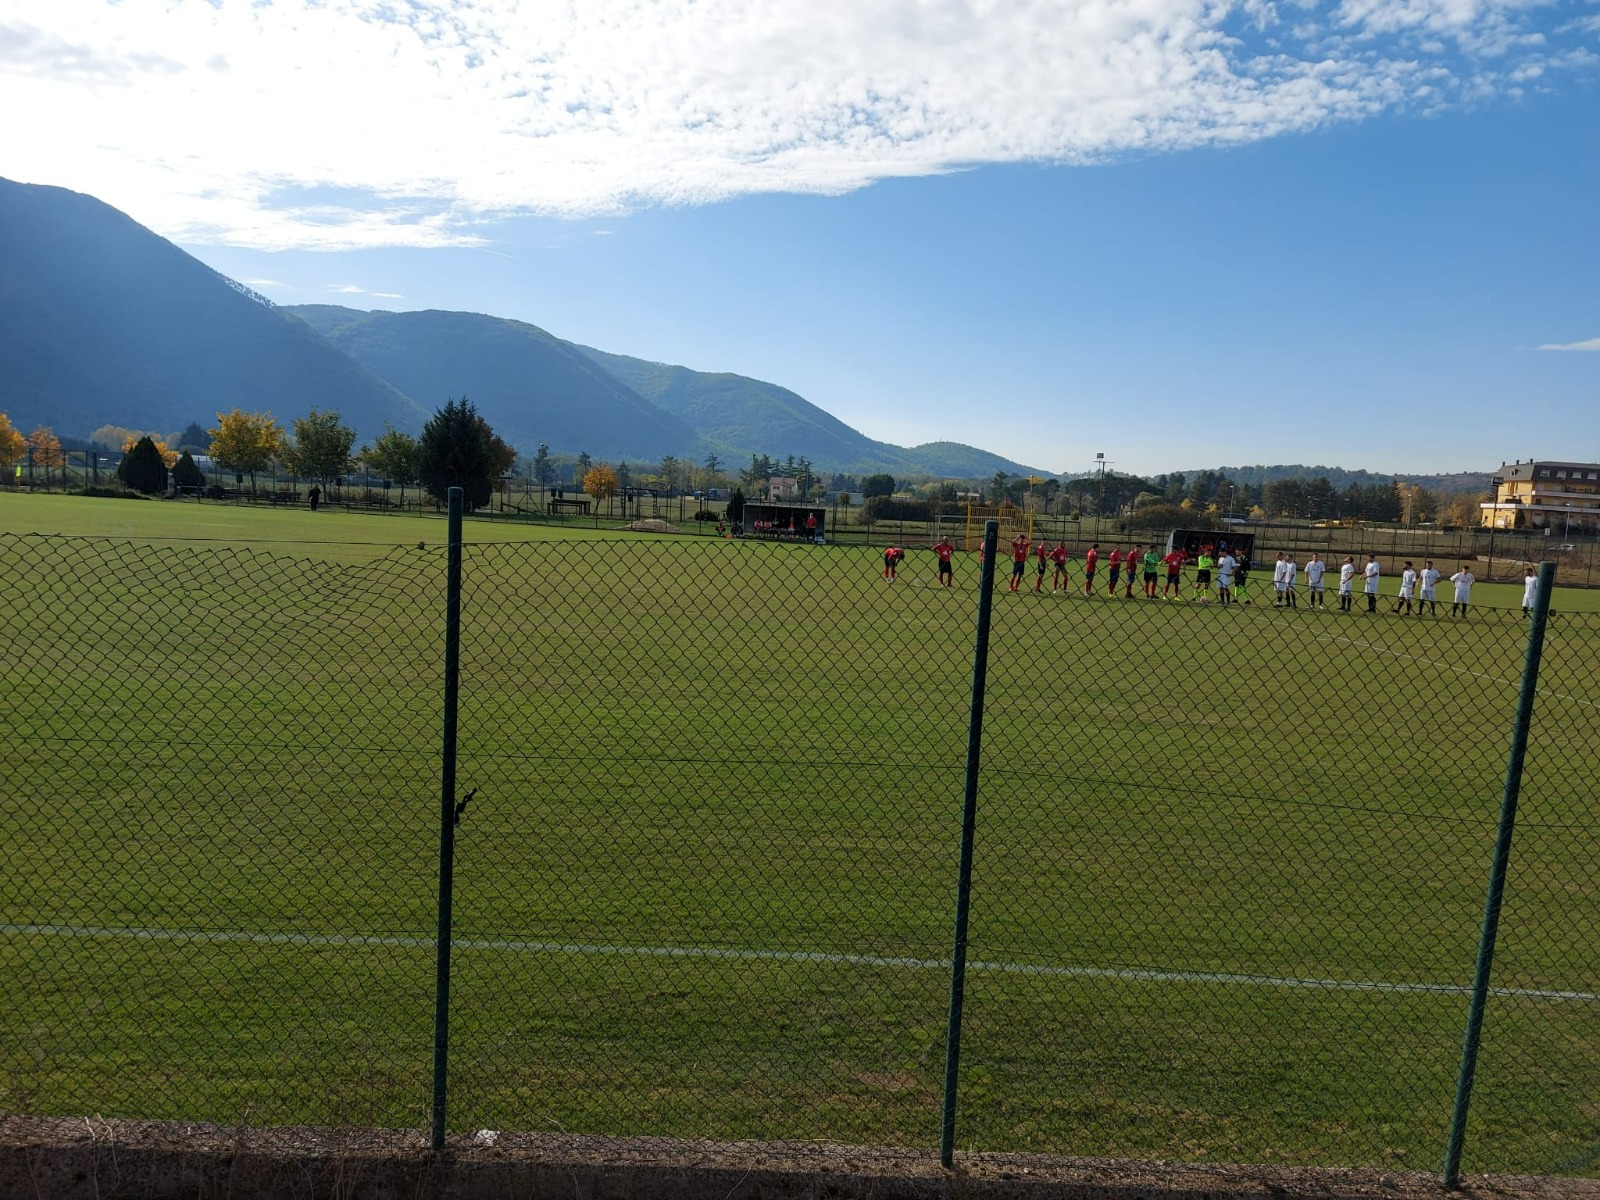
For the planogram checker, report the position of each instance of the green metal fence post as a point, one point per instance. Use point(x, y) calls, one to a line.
point(447, 816)
point(1497, 873)
point(969, 820)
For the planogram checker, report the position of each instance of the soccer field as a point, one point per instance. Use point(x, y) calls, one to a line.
point(1229, 873)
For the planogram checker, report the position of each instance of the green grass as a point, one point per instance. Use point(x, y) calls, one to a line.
point(713, 847)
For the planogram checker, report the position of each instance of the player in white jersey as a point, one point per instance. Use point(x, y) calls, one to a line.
point(1347, 577)
point(1226, 566)
point(1280, 573)
point(1427, 584)
point(1408, 588)
point(1315, 569)
point(1463, 581)
point(1530, 589)
point(1369, 575)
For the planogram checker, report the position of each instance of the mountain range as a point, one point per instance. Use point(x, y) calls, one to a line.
point(103, 322)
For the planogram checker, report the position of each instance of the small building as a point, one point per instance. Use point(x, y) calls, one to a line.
point(785, 523)
point(1544, 495)
point(782, 487)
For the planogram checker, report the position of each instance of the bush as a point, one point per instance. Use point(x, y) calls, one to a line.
point(705, 514)
point(887, 508)
point(1170, 516)
point(112, 493)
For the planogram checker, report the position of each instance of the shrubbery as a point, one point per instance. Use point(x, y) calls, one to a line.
point(888, 508)
point(1169, 516)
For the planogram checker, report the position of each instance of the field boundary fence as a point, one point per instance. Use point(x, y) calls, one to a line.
point(761, 840)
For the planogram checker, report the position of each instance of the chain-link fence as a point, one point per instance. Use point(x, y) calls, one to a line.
point(1229, 872)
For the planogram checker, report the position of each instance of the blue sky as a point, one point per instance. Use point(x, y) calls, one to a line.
point(1181, 234)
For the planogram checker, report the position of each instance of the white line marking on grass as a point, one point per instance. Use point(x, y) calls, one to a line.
point(1444, 666)
point(1129, 974)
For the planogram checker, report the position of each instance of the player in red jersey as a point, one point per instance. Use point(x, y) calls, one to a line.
point(1174, 583)
point(1043, 555)
point(891, 561)
point(1114, 561)
point(946, 571)
point(1129, 562)
point(1059, 557)
point(1019, 559)
point(1091, 561)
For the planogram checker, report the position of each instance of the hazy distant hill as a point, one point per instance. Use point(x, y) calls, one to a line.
point(530, 386)
point(1341, 478)
point(535, 387)
point(103, 322)
point(738, 416)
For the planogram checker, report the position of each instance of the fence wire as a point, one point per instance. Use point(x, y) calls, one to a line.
point(1228, 884)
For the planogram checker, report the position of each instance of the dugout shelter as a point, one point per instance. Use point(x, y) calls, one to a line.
point(1190, 541)
point(785, 522)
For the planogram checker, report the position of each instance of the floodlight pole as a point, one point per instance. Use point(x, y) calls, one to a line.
point(1100, 495)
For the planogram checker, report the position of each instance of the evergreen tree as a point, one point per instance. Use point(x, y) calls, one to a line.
point(186, 472)
point(142, 468)
point(454, 452)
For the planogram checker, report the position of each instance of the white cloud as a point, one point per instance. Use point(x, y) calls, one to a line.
point(258, 284)
point(388, 295)
point(346, 289)
point(326, 124)
point(1589, 344)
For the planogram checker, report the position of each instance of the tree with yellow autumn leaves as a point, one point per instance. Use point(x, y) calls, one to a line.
point(246, 442)
point(601, 482)
point(12, 444)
